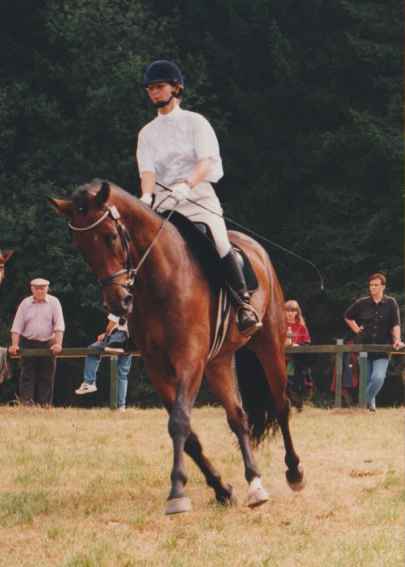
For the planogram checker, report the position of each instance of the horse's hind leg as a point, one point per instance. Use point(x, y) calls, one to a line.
point(274, 367)
point(219, 376)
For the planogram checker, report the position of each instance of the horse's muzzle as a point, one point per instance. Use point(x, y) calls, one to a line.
point(121, 305)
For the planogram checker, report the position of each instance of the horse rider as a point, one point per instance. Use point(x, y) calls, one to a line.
point(180, 150)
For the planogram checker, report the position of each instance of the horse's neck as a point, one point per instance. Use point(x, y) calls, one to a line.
point(143, 226)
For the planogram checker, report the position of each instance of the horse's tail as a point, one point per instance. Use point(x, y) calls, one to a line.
point(257, 400)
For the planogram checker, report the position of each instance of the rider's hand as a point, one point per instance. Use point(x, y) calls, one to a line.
point(13, 349)
point(147, 199)
point(180, 191)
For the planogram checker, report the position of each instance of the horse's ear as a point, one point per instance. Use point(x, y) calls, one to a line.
point(103, 193)
point(61, 207)
point(7, 254)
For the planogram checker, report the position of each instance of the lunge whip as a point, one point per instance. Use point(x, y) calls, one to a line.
point(252, 232)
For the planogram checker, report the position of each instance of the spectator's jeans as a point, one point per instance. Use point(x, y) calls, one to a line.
point(92, 363)
point(376, 372)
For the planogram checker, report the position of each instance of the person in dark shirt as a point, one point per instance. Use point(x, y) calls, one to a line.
point(375, 320)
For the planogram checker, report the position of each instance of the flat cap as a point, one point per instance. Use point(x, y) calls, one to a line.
point(39, 281)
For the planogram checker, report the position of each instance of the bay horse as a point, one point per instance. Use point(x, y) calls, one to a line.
point(4, 256)
point(171, 308)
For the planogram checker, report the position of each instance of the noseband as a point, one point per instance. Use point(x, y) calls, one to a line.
point(113, 212)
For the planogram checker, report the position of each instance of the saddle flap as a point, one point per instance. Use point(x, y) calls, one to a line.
point(201, 242)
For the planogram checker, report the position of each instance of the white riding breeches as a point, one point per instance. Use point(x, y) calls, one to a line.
point(203, 194)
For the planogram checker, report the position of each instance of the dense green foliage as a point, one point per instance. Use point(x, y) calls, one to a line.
point(306, 99)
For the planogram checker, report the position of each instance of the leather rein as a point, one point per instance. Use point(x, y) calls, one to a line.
point(125, 238)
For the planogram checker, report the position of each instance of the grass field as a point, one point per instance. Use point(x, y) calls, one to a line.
point(87, 488)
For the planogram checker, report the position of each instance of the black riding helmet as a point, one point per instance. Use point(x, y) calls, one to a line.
point(163, 72)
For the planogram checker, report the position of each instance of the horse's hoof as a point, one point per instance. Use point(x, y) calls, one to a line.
point(178, 505)
point(257, 495)
point(298, 485)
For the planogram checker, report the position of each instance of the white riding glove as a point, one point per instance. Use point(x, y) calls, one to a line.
point(147, 199)
point(180, 191)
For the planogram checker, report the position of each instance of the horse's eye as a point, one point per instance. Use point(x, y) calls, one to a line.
point(111, 238)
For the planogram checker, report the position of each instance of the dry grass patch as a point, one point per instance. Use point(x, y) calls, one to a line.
point(87, 488)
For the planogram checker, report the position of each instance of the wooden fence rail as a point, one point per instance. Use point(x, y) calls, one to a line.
point(338, 350)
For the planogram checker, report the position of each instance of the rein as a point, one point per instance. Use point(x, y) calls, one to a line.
point(125, 238)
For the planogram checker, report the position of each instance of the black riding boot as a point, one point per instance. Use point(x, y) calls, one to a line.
point(247, 318)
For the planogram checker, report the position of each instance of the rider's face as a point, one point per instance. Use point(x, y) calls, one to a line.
point(161, 92)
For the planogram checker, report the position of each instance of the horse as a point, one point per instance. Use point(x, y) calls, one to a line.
point(4, 256)
point(150, 274)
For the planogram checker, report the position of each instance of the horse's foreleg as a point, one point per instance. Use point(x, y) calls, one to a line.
point(224, 493)
point(219, 376)
point(179, 430)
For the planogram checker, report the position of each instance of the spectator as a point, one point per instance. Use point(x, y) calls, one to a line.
point(113, 340)
point(38, 323)
point(299, 373)
point(375, 320)
point(295, 324)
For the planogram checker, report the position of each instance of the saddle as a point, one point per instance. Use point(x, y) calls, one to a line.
point(199, 237)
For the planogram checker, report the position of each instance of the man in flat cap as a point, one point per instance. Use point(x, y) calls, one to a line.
point(38, 323)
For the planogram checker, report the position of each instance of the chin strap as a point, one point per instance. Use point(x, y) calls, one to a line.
point(164, 103)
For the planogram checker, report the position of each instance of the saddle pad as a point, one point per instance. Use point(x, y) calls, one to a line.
point(204, 249)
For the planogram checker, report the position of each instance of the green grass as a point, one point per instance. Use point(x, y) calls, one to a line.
point(87, 488)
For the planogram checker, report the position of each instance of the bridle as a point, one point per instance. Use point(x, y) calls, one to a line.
point(125, 238)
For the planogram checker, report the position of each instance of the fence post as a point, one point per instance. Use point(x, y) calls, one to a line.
point(338, 381)
point(113, 381)
point(362, 379)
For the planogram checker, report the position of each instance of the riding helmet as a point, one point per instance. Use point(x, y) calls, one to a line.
point(163, 72)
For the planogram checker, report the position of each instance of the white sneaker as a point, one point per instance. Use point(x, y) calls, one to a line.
point(118, 350)
point(86, 388)
point(121, 408)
